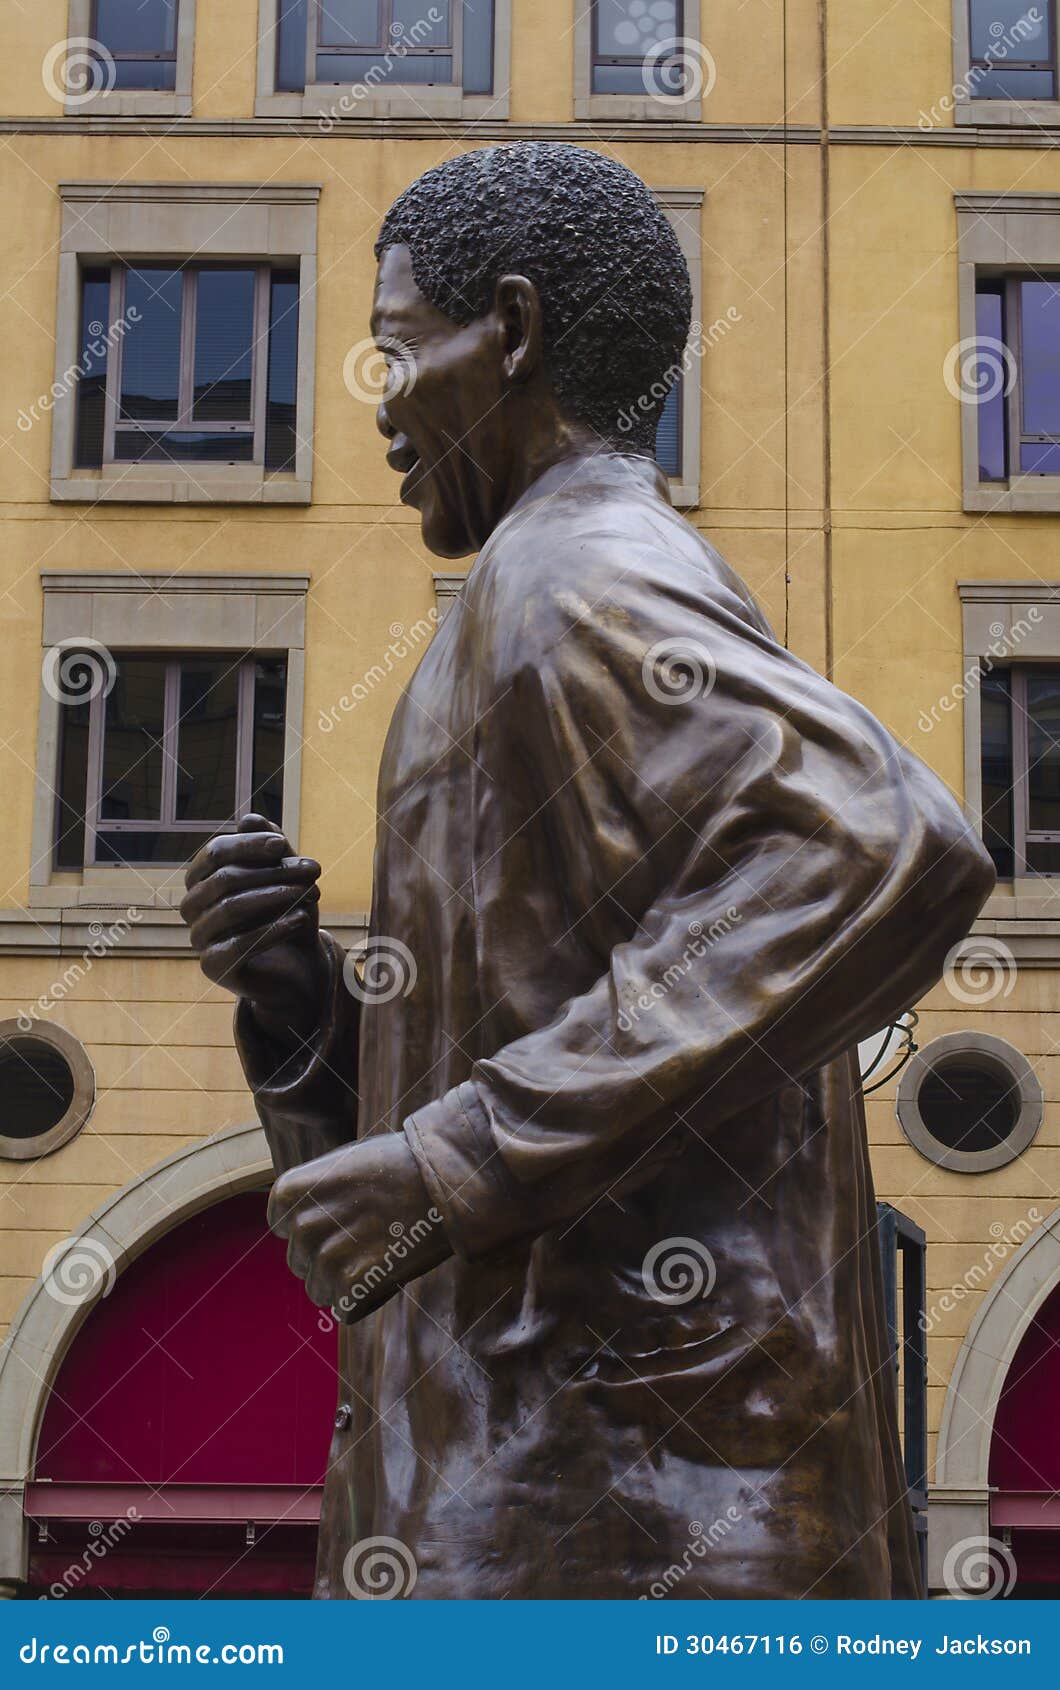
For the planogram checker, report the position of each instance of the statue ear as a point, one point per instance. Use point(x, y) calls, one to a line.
point(518, 308)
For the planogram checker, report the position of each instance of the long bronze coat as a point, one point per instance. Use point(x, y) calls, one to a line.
point(657, 878)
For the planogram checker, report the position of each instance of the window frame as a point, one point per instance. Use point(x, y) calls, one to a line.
point(259, 616)
point(95, 823)
point(969, 1045)
point(177, 224)
point(654, 108)
point(970, 110)
point(332, 104)
point(622, 59)
point(136, 102)
point(683, 210)
point(1023, 835)
point(82, 1103)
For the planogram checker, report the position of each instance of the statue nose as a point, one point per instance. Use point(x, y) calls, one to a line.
point(383, 423)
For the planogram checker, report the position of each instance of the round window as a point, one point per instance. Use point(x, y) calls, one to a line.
point(47, 1089)
point(969, 1101)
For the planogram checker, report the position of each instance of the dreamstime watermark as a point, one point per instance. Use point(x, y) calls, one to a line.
point(78, 1270)
point(102, 939)
point(386, 971)
point(700, 940)
point(380, 1569)
point(678, 1270)
point(979, 969)
point(78, 670)
point(78, 69)
point(679, 68)
point(1004, 640)
point(1006, 1239)
point(404, 39)
point(979, 369)
point(700, 340)
point(403, 1241)
point(1003, 38)
point(377, 370)
point(701, 1540)
point(978, 1569)
point(403, 641)
point(101, 342)
point(102, 1540)
point(678, 670)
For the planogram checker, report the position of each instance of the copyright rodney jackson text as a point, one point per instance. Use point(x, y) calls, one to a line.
point(842, 1643)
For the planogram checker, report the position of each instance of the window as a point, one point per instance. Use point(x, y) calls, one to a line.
point(1013, 50)
point(1018, 329)
point(678, 438)
point(195, 364)
point(1020, 728)
point(178, 380)
point(172, 749)
point(48, 1086)
point(969, 1102)
point(140, 39)
point(668, 440)
point(630, 38)
point(141, 54)
point(640, 59)
point(1005, 61)
point(340, 59)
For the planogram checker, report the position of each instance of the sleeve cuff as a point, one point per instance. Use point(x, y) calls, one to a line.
point(481, 1207)
point(318, 1078)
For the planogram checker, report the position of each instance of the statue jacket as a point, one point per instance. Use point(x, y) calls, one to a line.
point(644, 879)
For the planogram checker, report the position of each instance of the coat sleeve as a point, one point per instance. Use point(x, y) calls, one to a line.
point(788, 877)
point(306, 1101)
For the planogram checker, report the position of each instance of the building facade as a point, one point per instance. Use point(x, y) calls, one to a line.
point(212, 598)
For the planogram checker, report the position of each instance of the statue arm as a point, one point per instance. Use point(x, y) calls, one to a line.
point(306, 1097)
point(792, 878)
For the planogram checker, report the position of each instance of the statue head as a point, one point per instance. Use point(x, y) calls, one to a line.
point(532, 300)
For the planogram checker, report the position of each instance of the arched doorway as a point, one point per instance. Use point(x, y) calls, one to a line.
point(1025, 1456)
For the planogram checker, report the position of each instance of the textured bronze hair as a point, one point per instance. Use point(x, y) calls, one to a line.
point(615, 295)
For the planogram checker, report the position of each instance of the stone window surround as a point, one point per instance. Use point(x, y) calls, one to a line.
point(999, 1052)
point(967, 109)
point(1010, 233)
point(610, 108)
point(81, 1104)
point(199, 613)
point(412, 100)
point(102, 222)
point(137, 102)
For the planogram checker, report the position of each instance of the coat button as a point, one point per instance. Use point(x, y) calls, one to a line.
point(343, 1417)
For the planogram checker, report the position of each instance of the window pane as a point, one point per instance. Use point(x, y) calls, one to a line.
point(281, 411)
point(145, 73)
point(137, 26)
point(1040, 356)
point(224, 345)
point(1043, 750)
point(270, 708)
point(478, 46)
point(1039, 459)
point(1010, 31)
point(156, 446)
point(407, 68)
point(149, 847)
point(73, 780)
point(1043, 859)
point(996, 715)
point(668, 439)
point(990, 408)
point(351, 23)
point(150, 359)
point(619, 79)
point(1010, 83)
point(132, 741)
point(92, 381)
point(413, 26)
point(968, 1104)
point(634, 28)
point(292, 26)
point(207, 739)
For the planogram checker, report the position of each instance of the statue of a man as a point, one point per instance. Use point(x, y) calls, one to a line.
point(588, 1185)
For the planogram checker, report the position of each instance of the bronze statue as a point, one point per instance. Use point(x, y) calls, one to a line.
point(587, 1178)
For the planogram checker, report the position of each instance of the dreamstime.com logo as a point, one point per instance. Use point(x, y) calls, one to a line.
point(386, 971)
point(78, 670)
point(979, 369)
point(678, 670)
point(678, 1270)
point(680, 68)
point(978, 1568)
point(980, 969)
point(380, 1569)
point(76, 70)
point(78, 1270)
point(377, 370)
